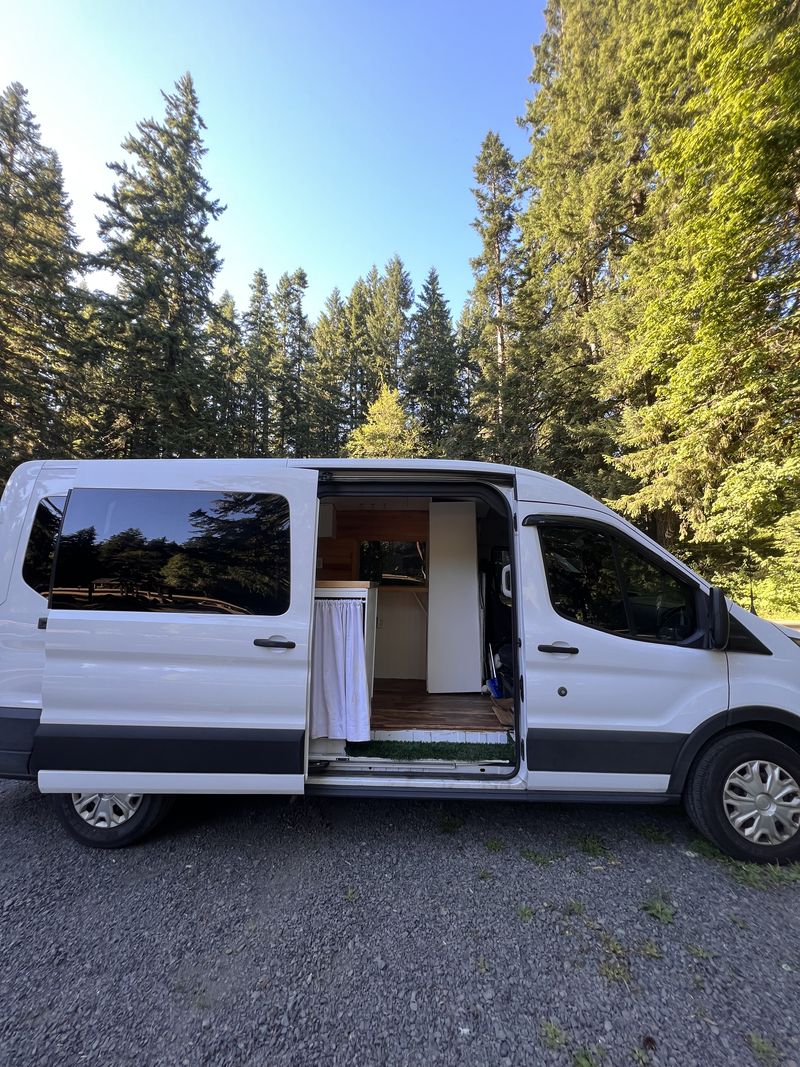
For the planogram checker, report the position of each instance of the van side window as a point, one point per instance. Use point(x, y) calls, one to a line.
point(170, 550)
point(37, 567)
point(582, 577)
point(601, 581)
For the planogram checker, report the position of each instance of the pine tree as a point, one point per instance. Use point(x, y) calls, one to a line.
point(326, 385)
point(391, 299)
point(225, 382)
point(431, 372)
point(289, 367)
point(156, 243)
point(363, 380)
point(259, 353)
point(496, 270)
point(387, 433)
point(39, 306)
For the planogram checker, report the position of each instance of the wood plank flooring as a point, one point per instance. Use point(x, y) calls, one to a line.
point(404, 704)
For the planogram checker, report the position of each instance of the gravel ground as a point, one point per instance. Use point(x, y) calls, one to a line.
point(255, 931)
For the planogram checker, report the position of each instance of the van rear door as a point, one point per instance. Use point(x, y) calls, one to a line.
point(177, 646)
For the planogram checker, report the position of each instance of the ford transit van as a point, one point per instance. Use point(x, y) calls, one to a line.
point(391, 628)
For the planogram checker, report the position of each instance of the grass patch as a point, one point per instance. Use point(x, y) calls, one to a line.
point(450, 824)
point(737, 920)
point(584, 1057)
point(651, 950)
point(350, 893)
point(524, 913)
point(700, 953)
point(659, 907)
point(539, 858)
point(455, 751)
point(485, 875)
point(615, 971)
point(650, 832)
point(763, 1049)
point(553, 1037)
point(482, 965)
point(574, 907)
point(611, 945)
point(493, 845)
point(593, 846)
point(754, 875)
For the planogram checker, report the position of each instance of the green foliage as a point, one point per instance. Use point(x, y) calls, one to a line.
point(387, 433)
point(659, 907)
point(156, 245)
point(41, 322)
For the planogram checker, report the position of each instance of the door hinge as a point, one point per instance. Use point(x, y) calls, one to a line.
point(522, 687)
point(41, 624)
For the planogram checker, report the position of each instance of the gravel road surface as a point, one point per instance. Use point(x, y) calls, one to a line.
point(259, 931)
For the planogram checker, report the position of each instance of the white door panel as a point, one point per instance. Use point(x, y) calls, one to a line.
point(150, 670)
point(618, 700)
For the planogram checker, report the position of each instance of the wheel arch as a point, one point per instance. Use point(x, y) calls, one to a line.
point(774, 722)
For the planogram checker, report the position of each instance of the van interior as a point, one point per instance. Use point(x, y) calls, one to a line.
point(425, 578)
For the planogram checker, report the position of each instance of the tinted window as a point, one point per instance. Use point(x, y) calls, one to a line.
point(582, 577)
point(174, 551)
point(38, 564)
point(600, 581)
point(660, 605)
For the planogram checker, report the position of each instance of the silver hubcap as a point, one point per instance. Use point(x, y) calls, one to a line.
point(105, 810)
point(762, 802)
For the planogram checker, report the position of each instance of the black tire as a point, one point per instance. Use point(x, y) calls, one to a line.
point(703, 795)
point(149, 812)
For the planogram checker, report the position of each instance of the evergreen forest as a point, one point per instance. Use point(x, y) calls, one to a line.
point(633, 325)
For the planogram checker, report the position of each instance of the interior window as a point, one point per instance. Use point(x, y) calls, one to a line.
point(582, 577)
point(174, 551)
point(393, 562)
point(38, 564)
point(661, 606)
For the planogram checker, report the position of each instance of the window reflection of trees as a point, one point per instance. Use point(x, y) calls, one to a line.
point(235, 562)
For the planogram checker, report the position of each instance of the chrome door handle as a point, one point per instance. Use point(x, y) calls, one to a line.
point(570, 650)
point(274, 642)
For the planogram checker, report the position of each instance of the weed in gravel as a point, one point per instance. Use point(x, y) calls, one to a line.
point(593, 846)
point(700, 953)
point(611, 945)
point(615, 971)
point(553, 1037)
point(524, 913)
point(350, 894)
point(651, 950)
point(451, 824)
point(494, 845)
point(659, 907)
point(585, 1057)
point(482, 965)
point(640, 1056)
point(539, 858)
point(763, 1049)
point(737, 920)
point(574, 907)
point(650, 832)
point(754, 875)
point(697, 982)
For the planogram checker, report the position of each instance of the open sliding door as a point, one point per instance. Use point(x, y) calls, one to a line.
point(177, 646)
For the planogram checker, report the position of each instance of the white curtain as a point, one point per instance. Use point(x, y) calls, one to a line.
point(339, 691)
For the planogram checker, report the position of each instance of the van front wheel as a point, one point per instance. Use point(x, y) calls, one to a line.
point(743, 794)
point(110, 820)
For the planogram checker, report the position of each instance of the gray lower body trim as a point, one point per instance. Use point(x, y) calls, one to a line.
point(532, 795)
point(17, 729)
point(603, 751)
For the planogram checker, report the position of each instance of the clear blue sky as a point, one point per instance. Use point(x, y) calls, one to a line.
point(339, 131)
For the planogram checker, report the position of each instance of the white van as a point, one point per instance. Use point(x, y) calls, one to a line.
point(331, 627)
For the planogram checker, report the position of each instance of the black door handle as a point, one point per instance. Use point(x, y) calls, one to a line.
point(570, 650)
point(272, 642)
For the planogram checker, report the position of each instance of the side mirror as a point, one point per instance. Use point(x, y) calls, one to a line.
point(505, 581)
point(719, 620)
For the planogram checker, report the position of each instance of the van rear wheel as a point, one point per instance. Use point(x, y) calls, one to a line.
point(110, 820)
point(743, 794)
